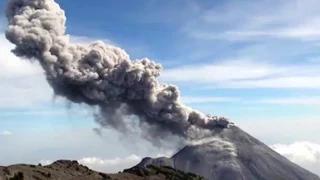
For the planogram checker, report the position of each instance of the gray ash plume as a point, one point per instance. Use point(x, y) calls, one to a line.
point(101, 75)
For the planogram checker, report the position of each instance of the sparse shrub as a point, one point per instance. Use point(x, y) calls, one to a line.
point(77, 169)
point(36, 177)
point(33, 166)
point(17, 176)
point(86, 168)
point(74, 162)
point(6, 170)
point(39, 164)
point(104, 176)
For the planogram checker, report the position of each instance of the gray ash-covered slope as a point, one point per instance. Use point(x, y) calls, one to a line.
point(233, 154)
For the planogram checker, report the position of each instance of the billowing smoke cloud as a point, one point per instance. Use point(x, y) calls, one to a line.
point(101, 75)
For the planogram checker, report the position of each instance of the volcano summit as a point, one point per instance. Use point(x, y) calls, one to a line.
point(232, 154)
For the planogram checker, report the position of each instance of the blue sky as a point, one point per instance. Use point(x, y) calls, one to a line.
point(256, 62)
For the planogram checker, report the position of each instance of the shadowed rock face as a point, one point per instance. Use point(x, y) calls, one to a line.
point(233, 154)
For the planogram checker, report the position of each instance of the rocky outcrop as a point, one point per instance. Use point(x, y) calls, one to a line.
point(72, 170)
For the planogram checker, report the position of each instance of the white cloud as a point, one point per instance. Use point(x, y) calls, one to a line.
point(88, 40)
point(51, 111)
point(6, 133)
point(12, 66)
point(246, 74)
point(217, 72)
point(305, 33)
point(23, 82)
point(305, 154)
point(113, 165)
point(271, 130)
point(110, 165)
point(299, 152)
point(306, 82)
point(293, 101)
point(243, 20)
point(302, 130)
point(168, 154)
point(204, 99)
point(281, 32)
point(45, 162)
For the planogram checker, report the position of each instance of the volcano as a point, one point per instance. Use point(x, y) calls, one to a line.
point(233, 154)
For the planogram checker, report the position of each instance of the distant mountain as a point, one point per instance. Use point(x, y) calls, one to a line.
point(232, 154)
point(72, 170)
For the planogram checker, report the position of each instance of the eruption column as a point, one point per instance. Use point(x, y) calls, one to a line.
point(99, 74)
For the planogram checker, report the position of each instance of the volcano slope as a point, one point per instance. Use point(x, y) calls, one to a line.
point(233, 154)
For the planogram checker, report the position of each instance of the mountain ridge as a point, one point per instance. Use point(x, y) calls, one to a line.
point(230, 153)
point(233, 154)
point(72, 170)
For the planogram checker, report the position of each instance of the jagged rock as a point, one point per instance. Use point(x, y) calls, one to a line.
point(224, 122)
point(67, 170)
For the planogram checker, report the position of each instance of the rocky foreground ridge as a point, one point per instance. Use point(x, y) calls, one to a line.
point(72, 170)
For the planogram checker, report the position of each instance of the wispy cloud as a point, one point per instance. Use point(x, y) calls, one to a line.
point(243, 20)
point(209, 99)
point(305, 154)
point(110, 165)
point(307, 32)
point(289, 100)
point(246, 74)
point(301, 82)
point(47, 112)
point(24, 81)
point(299, 152)
point(293, 101)
point(283, 129)
point(88, 40)
point(45, 162)
point(229, 70)
point(6, 133)
point(168, 154)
